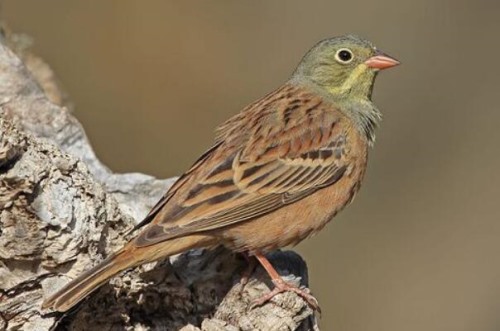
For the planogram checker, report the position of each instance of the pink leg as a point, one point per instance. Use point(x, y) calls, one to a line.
point(282, 286)
point(248, 271)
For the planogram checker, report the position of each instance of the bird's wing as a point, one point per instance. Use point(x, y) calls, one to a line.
point(173, 189)
point(287, 146)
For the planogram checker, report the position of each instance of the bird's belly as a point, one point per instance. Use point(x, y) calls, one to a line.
point(292, 223)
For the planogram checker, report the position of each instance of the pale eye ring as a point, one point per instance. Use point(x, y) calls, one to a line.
point(344, 55)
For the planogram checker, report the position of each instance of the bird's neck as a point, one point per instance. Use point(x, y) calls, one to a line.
point(355, 103)
point(364, 114)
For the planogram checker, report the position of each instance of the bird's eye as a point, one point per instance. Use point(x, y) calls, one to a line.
point(344, 55)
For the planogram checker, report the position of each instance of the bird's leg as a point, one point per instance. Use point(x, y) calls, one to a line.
point(251, 264)
point(282, 286)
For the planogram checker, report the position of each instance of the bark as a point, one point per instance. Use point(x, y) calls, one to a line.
point(62, 210)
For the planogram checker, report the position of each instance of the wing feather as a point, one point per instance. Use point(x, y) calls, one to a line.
point(292, 148)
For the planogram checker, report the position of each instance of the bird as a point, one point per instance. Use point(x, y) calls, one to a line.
point(278, 171)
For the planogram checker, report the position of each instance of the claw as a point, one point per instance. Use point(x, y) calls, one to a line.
point(282, 286)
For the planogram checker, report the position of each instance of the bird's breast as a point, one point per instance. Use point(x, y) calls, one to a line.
point(299, 220)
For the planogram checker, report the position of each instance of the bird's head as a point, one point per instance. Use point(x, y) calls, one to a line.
point(345, 65)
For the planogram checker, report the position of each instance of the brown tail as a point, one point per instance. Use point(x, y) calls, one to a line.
point(127, 257)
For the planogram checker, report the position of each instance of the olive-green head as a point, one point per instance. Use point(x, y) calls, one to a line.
point(345, 65)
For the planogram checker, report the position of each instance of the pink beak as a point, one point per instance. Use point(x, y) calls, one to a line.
point(381, 61)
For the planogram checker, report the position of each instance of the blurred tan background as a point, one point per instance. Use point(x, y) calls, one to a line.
point(419, 248)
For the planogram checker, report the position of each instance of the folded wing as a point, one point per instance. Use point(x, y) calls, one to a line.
point(275, 152)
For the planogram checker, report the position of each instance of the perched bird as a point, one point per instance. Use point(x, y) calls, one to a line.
point(277, 172)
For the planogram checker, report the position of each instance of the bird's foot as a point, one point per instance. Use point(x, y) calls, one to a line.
point(282, 286)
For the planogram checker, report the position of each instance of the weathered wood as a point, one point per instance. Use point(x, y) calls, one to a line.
point(62, 210)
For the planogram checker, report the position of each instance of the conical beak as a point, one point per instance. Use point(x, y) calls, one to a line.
point(381, 61)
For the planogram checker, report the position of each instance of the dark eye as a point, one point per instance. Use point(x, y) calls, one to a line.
point(344, 55)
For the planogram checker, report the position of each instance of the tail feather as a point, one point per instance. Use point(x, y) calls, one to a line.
point(127, 257)
point(86, 283)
